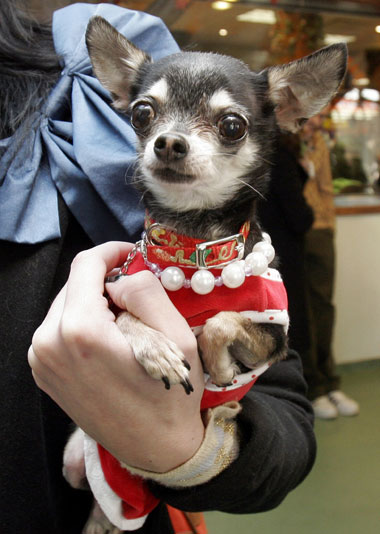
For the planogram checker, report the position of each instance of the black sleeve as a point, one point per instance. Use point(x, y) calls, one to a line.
point(277, 449)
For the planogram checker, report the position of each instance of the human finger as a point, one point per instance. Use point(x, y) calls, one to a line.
point(143, 295)
point(47, 336)
point(79, 315)
point(89, 268)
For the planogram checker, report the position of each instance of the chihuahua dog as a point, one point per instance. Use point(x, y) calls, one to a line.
point(205, 125)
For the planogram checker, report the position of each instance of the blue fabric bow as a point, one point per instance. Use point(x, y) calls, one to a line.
point(81, 147)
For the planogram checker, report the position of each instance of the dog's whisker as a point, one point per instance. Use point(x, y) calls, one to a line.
point(141, 199)
point(253, 188)
point(128, 174)
point(136, 180)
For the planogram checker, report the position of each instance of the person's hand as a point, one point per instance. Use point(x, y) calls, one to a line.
point(80, 358)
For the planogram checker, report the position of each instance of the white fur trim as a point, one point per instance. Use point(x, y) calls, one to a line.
point(108, 500)
point(272, 274)
point(268, 316)
point(238, 380)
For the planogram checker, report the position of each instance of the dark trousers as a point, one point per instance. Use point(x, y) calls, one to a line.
point(318, 362)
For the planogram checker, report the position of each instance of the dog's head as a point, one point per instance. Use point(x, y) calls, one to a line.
point(204, 121)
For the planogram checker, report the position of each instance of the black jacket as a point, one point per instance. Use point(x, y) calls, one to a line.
point(277, 441)
point(286, 216)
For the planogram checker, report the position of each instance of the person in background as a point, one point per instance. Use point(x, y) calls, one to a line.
point(318, 362)
point(66, 157)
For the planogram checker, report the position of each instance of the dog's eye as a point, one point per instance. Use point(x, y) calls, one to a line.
point(232, 127)
point(142, 115)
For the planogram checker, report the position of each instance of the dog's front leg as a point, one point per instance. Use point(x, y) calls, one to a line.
point(98, 523)
point(74, 469)
point(160, 357)
point(265, 343)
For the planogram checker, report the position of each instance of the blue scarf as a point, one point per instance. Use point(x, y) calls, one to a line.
point(81, 147)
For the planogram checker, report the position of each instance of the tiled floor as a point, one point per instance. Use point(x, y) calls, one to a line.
point(342, 493)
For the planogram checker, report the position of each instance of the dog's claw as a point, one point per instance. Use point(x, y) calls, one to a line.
point(187, 386)
point(165, 380)
point(160, 357)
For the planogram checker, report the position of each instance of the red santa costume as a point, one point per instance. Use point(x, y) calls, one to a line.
point(125, 498)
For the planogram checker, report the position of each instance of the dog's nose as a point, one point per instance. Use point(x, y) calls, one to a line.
point(171, 147)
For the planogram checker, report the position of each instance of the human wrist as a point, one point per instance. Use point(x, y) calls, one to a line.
point(181, 448)
point(219, 448)
point(174, 445)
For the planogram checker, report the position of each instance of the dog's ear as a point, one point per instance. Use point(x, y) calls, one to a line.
point(115, 60)
point(302, 88)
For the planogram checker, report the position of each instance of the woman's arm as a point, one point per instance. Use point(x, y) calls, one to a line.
point(81, 359)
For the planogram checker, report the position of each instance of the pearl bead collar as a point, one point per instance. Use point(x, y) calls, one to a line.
point(232, 275)
point(203, 281)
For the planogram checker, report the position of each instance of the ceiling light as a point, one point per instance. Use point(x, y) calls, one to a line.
point(362, 81)
point(336, 38)
point(221, 6)
point(259, 16)
point(377, 29)
point(223, 32)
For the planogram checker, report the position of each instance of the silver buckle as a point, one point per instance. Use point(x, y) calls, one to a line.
point(200, 250)
point(148, 232)
point(147, 237)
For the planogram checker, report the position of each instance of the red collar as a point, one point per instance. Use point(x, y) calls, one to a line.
point(164, 246)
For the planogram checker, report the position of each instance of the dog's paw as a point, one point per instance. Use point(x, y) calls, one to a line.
point(220, 335)
point(98, 523)
point(160, 357)
point(74, 469)
point(217, 361)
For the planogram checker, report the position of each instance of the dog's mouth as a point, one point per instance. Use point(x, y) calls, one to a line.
point(166, 174)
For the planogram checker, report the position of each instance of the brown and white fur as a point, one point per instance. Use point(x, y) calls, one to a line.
point(205, 127)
